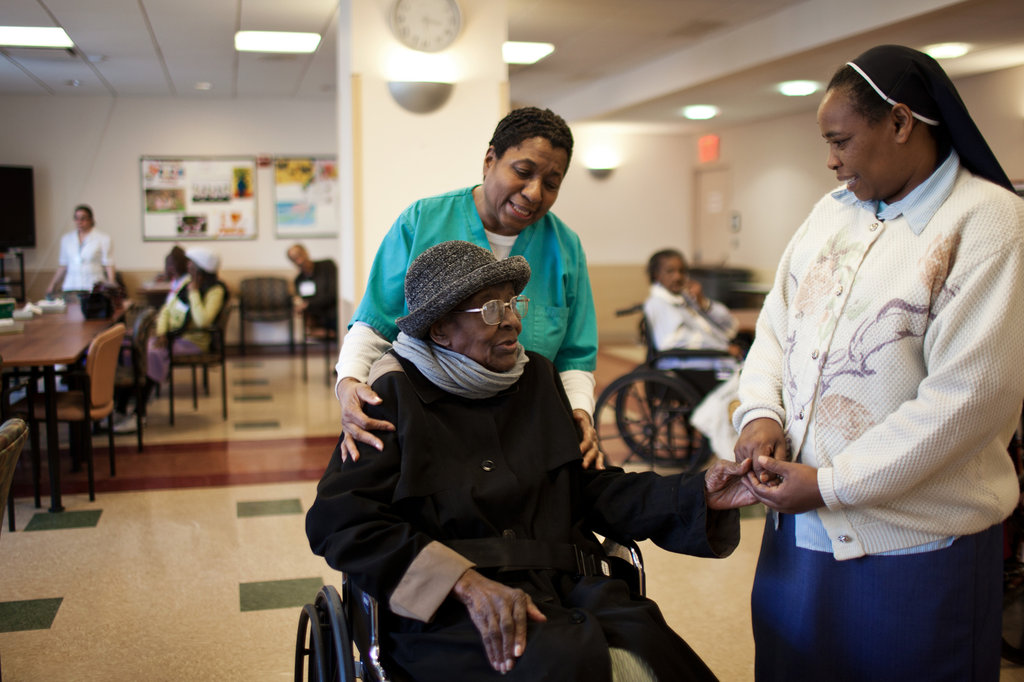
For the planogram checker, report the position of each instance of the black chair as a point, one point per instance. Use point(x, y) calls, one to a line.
point(265, 299)
point(336, 628)
point(214, 357)
point(327, 338)
point(131, 374)
point(646, 412)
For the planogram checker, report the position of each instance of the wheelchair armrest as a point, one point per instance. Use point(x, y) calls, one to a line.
point(628, 551)
point(688, 354)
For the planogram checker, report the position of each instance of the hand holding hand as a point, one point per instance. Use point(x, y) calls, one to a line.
point(499, 613)
point(592, 456)
point(761, 437)
point(354, 422)
point(792, 489)
point(724, 486)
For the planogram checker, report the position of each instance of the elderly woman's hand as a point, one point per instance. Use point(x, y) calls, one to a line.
point(592, 456)
point(724, 487)
point(354, 422)
point(499, 613)
point(793, 488)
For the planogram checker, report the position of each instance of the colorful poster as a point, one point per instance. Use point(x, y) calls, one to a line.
point(306, 197)
point(198, 198)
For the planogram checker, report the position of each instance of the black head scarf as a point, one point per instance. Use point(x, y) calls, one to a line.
point(905, 76)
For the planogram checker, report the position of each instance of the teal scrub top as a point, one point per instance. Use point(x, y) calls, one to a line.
point(561, 324)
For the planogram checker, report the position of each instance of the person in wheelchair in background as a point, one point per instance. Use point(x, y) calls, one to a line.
point(680, 316)
point(474, 526)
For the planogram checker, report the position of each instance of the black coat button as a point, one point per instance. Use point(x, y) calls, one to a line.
point(487, 465)
point(577, 617)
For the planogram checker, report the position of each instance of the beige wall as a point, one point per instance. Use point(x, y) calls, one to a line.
point(87, 149)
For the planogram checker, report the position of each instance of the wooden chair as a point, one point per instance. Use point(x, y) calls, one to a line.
point(265, 299)
point(214, 357)
point(13, 434)
point(92, 399)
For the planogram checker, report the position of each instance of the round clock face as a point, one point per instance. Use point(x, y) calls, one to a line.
point(426, 25)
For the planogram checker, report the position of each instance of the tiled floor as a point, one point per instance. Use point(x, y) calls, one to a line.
point(192, 563)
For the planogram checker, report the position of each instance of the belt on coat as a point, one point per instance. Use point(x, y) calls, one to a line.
point(507, 554)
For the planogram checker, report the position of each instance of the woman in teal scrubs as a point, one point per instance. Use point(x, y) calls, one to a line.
point(508, 213)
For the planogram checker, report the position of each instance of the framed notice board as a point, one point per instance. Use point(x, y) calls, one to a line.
point(198, 198)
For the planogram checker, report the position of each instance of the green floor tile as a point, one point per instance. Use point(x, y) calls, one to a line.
point(269, 508)
point(31, 614)
point(278, 594)
point(251, 382)
point(258, 425)
point(64, 520)
point(253, 398)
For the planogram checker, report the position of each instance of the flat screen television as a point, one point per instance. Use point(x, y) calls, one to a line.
point(17, 208)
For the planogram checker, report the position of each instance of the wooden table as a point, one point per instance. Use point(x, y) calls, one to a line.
point(48, 340)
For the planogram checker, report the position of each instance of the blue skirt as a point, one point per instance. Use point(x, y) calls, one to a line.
point(931, 616)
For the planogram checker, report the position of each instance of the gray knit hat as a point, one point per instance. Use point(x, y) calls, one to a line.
point(446, 274)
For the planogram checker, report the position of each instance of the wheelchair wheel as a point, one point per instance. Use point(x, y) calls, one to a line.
point(646, 414)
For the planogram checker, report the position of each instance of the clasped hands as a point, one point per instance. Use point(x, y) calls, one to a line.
point(788, 487)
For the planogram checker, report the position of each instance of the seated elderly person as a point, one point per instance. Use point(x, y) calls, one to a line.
point(467, 525)
point(680, 316)
point(316, 286)
point(195, 305)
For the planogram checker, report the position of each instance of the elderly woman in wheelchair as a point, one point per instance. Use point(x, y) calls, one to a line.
point(474, 526)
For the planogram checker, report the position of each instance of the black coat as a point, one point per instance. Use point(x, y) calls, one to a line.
point(507, 466)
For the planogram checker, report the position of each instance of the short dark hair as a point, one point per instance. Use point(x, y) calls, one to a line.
point(659, 257)
point(178, 260)
point(527, 122)
point(83, 207)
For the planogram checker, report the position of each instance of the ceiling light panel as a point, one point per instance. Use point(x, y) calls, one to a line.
point(276, 41)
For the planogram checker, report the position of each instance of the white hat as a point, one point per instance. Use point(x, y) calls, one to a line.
point(206, 260)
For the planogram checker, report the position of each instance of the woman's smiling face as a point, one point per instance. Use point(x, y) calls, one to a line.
point(520, 186)
point(493, 346)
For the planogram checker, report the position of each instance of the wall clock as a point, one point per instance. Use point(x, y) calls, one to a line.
point(426, 25)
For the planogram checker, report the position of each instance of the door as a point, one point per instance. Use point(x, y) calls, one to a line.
point(713, 236)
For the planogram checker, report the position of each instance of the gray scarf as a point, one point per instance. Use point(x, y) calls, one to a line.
point(456, 373)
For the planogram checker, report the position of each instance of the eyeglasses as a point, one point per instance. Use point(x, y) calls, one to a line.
point(493, 312)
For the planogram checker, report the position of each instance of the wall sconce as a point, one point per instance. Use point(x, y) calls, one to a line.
point(600, 161)
point(420, 97)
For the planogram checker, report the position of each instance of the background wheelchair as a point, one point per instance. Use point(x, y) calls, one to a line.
point(646, 412)
point(338, 636)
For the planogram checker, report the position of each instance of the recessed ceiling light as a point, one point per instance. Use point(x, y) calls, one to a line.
point(276, 41)
point(34, 36)
point(947, 50)
point(798, 88)
point(525, 53)
point(203, 85)
point(699, 112)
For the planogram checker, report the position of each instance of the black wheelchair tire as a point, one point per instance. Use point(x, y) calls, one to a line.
point(648, 411)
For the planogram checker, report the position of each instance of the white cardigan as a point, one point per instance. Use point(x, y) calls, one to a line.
point(895, 363)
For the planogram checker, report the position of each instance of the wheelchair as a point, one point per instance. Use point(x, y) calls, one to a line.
point(338, 635)
point(645, 414)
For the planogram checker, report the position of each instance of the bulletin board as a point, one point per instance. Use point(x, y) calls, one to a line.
point(198, 198)
point(306, 196)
